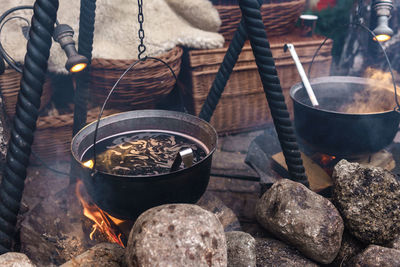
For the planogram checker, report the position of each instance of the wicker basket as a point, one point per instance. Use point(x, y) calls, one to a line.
point(142, 87)
point(279, 18)
point(54, 133)
point(243, 104)
point(9, 86)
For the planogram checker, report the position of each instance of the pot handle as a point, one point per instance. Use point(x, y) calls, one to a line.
point(112, 90)
point(397, 108)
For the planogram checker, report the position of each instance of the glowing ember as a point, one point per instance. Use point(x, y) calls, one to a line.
point(326, 159)
point(103, 222)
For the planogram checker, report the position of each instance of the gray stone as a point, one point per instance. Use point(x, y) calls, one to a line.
point(271, 252)
point(395, 243)
point(368, 199)
point(349, 248)
point(176, 235)
point(14, 259)
point(104, 254)
point(377, 256)
point(241, 249)
point(302, 218)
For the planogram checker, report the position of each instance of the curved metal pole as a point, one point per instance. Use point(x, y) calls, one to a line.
point(85, 47)
point(24, 122)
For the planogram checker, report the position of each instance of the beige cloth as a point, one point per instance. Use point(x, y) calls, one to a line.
point(167, 23)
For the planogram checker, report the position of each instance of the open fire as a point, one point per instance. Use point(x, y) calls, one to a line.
point(102, 221)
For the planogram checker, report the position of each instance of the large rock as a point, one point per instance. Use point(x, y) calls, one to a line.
point(176, 235)
point(302, 218)
point(395, 243)
point(377, 256)
point(103, 254)
point(271, 252)
point(368, 199)
point(14, 259)
point(241, 249)
point(349, 248)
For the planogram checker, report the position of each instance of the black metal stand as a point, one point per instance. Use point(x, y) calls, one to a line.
point(24, 122)
point(85, 47)
point(252, 25)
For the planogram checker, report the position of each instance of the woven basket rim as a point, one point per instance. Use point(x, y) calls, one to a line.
point(269, 5)
point(55, 121)
point(170, 56)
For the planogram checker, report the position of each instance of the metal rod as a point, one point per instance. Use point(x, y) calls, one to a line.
point(302, 74)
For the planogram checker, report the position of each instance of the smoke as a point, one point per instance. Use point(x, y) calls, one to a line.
point(377, 97)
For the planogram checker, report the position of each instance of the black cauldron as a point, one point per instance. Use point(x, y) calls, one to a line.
point(126, 197)
point(328, 131)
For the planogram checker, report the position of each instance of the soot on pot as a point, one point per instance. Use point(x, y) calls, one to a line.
point(142, 153)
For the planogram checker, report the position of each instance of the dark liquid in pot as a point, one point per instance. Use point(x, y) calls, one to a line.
point(142, 153)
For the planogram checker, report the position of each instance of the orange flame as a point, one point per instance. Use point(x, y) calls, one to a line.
point(103, 222)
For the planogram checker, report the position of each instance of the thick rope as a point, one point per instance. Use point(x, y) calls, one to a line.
point(224, 72)
point(272, 88)
point(24, 123)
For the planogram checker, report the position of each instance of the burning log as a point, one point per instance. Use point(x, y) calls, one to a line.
point(104, 254)
point(104, 224)
point(54, 230)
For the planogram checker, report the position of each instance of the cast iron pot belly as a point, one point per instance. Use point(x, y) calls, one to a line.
point(126, 197)
point(335, 133)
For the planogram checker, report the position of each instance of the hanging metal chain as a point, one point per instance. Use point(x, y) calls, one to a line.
point(359, 12)
point(141, 47)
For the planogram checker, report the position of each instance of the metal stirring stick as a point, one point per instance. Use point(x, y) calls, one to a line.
point(302, 74)
point(185, 155)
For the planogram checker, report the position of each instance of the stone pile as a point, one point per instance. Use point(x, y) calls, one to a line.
point(357, 227)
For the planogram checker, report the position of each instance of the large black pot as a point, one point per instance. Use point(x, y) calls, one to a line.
point(327, 131)
point(126, 197)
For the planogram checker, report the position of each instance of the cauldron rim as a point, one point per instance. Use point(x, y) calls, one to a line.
point(337, 79)
point(140, 178)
